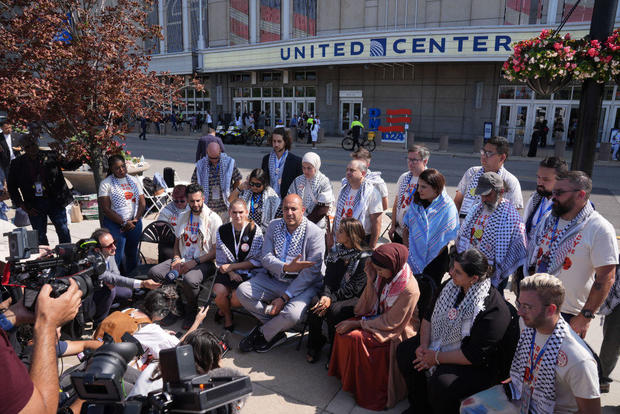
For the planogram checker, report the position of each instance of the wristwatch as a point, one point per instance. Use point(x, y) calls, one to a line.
point(587, 313)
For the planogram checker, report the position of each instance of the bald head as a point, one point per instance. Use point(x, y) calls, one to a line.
point(292, 211)
point(213, 152)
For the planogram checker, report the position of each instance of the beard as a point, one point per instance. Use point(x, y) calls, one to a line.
point(560, 209)
point(491, 205)
point(542, 192)
point(197, 210)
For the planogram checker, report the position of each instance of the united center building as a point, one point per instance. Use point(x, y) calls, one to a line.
point(430, 66)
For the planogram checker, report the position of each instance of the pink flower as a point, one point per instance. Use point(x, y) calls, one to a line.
point(595, 43)
point(557, 46)
point(517, 68)
point(592, 52)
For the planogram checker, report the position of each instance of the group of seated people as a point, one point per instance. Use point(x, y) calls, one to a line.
point(282, 246)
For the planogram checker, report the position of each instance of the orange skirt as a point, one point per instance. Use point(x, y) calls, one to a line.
point(362, 364)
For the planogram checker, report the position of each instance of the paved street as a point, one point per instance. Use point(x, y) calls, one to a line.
point(282, 380)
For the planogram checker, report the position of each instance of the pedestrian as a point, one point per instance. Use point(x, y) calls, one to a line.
point(143, 125)
point(610, 348)
point(314, 132)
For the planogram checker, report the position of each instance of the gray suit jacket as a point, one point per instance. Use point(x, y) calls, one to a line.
point(313, 250)
point(113, 276)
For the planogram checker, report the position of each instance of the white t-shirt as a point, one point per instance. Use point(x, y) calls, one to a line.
point(512, 194)
point(126, 210)
point(374, 206)
point(170, 214)
point(191, 238)
point(576, 374)
point(379, 185)
point(404, 200)
point(595, 246)
point(153, 339)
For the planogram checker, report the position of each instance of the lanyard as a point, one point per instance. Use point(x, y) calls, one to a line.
point(287, 243)
point(252, 208)
point(542, 213)
point(217, 168)
point(280, 162)
point(191, 227)
point(534, 363)
point(237, 244)
point(555, 228)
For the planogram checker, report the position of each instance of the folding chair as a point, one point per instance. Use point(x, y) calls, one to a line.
point(157, 201)
point(160, 233)
point(388, 213)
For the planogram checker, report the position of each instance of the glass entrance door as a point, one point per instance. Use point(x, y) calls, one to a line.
point(348, 111)
point(520, 122)
point(559, 127)
point(288, 112)
point(503, 123)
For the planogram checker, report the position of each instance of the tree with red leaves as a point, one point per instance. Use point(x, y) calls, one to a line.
point(78, 70)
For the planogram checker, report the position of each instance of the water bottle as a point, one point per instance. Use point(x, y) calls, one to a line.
point(171, 276)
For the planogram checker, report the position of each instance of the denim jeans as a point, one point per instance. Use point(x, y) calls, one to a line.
point(126, 244)
point(610, 348)
point(57, 214)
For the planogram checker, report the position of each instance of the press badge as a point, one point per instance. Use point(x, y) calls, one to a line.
point(215, 193)
point(38, 189)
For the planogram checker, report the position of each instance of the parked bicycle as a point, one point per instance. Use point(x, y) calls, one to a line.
point(349, 143)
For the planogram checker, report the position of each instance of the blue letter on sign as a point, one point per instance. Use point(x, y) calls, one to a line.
point(374, 112)
point(357, 48)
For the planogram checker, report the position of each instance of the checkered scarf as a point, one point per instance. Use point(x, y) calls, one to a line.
point(273, 177)
point(543, 397)
point(450, 324)
point(503, 239)
point(117, 194)
point(352, 255)
point(312, 191)
point(267, 204)
point(536, 200)
point(225, 172)
point(562, 243)
point(402, 189)
point(373, 177)
point(224, 254)
point(295, 248)
point(360, 204)
point(391, 290)
point(469, 196)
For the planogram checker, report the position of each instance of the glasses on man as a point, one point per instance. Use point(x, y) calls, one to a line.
point(179, 201)
point(487, 154)
point(256, 185)
point(109, 245)
point(557, 193)
point(414, 160)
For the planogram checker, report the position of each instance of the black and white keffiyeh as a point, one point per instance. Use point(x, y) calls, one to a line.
point(275, 173)
point(360, 204)
point(450, 324)
point(312, 192)
point(503, 238)
point(352, 255)
point(562, 243)
point(224, 255)
point(536, 200)
point(117, 194)
point(226, 168)
point(295, 248)
point(470, 198)
point(543, 397)
point(403, 189)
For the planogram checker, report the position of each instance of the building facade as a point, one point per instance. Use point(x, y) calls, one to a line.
point(428, 66)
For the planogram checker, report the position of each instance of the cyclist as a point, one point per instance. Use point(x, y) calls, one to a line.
point(356, 130)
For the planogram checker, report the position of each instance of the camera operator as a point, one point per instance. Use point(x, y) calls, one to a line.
point(116, 286)
point(37, 392)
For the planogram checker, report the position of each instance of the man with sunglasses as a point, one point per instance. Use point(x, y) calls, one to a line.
point(173, 210)
point(576, 244)
point(492, 157)
point(113, 285)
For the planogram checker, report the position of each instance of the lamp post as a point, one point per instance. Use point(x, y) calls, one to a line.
point(201, 39)
point(584, 150)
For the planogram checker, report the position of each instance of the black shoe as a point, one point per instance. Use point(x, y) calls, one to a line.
point(170, 319)
point(280, 338)
point(247, 343)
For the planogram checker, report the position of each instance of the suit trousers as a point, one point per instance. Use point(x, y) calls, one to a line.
point(258, 292)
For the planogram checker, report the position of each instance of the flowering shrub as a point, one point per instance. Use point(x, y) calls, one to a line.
point(548, 56)
point(610, 53)
point(592, 61)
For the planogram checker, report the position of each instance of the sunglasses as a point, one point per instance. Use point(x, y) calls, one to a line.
point(109, 245)
point(256, 185)
point(557, 193)
point(179, 201)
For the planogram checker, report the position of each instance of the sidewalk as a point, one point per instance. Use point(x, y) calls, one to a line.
point(457, 148)
point(283, 382)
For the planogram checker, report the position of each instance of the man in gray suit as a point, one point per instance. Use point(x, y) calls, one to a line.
point(291, 276)
point(113, 284)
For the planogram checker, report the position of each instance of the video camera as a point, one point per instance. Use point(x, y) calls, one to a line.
point(76, 261)
point(100, 384)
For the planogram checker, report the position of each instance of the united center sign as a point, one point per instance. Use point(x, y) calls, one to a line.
point(483, 44)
